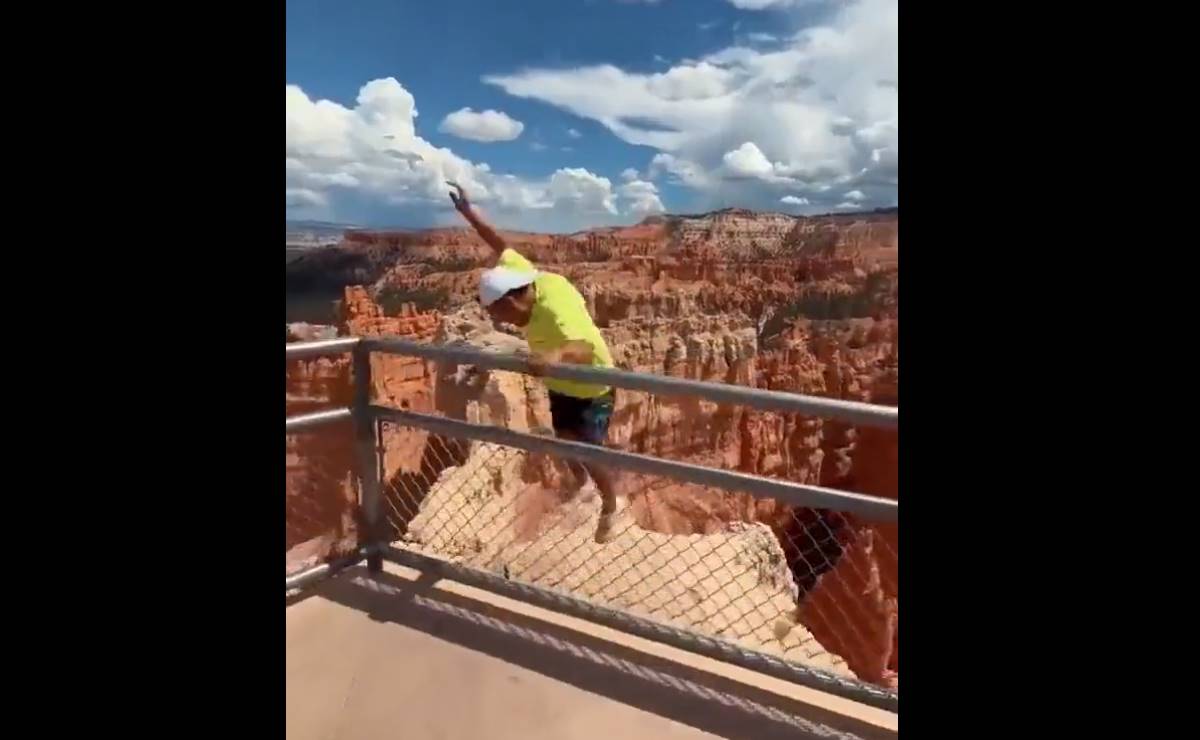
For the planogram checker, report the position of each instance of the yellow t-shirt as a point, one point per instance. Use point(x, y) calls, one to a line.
point(559, 316)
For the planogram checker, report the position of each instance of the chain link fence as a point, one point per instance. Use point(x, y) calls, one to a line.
point(808, 593)
point(815, 587)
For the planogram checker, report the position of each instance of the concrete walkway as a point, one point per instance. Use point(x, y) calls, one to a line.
point(401, 657)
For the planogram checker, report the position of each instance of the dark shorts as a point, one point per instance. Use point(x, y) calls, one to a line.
point(584, 418)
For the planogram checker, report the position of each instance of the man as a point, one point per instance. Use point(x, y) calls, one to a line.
point(559, 330)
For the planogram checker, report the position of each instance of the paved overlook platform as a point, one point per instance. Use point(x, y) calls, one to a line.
point(407, 656)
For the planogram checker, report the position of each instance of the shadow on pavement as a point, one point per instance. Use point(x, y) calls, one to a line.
point(704, 701)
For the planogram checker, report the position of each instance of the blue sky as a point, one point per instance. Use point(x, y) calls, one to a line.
point(597, 111)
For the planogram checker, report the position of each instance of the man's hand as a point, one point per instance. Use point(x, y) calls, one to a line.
point(575, 352)
point(539, 361)
point(461, 204)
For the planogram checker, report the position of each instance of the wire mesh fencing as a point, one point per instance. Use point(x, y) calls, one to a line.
point(813, 586)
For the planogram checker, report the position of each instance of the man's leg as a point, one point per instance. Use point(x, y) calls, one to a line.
point(578, 420)
point(596, 417)
point(606, 483)
point(567, 419)
point(601, 476)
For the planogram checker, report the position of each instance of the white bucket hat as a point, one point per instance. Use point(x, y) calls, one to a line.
point(494, 283)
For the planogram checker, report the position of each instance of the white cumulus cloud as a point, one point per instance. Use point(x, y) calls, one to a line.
point(681, 171)
point(582, 191)
point(641, 196)
point(489, 125)
point(793, 200)
point(820, 109)
point(301, 197)
point(694, 82)
point(366, 163)
point(748, 161)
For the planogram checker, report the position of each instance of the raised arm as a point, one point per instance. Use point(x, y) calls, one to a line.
point(484, 230)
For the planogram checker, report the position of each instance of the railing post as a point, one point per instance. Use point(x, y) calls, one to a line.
point(368, 466)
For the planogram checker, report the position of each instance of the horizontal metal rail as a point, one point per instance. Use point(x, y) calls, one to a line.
point(868, 507)
point(304, 350)
point(700, 644)
point(301, 422)
point(851, 412)
point(317, 573)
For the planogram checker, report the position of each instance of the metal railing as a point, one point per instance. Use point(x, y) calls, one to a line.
point(484, 506)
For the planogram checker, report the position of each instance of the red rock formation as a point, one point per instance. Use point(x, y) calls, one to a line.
point(320, 492)
point(803, 305)
point(321, 464)
point(396, 379)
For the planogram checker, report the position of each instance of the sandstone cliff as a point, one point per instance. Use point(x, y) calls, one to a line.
point(321, 464)
point(805, 305)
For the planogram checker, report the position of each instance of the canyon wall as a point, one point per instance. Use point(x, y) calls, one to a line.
point(321, 487)
point(320, 483)
point(766, 300)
